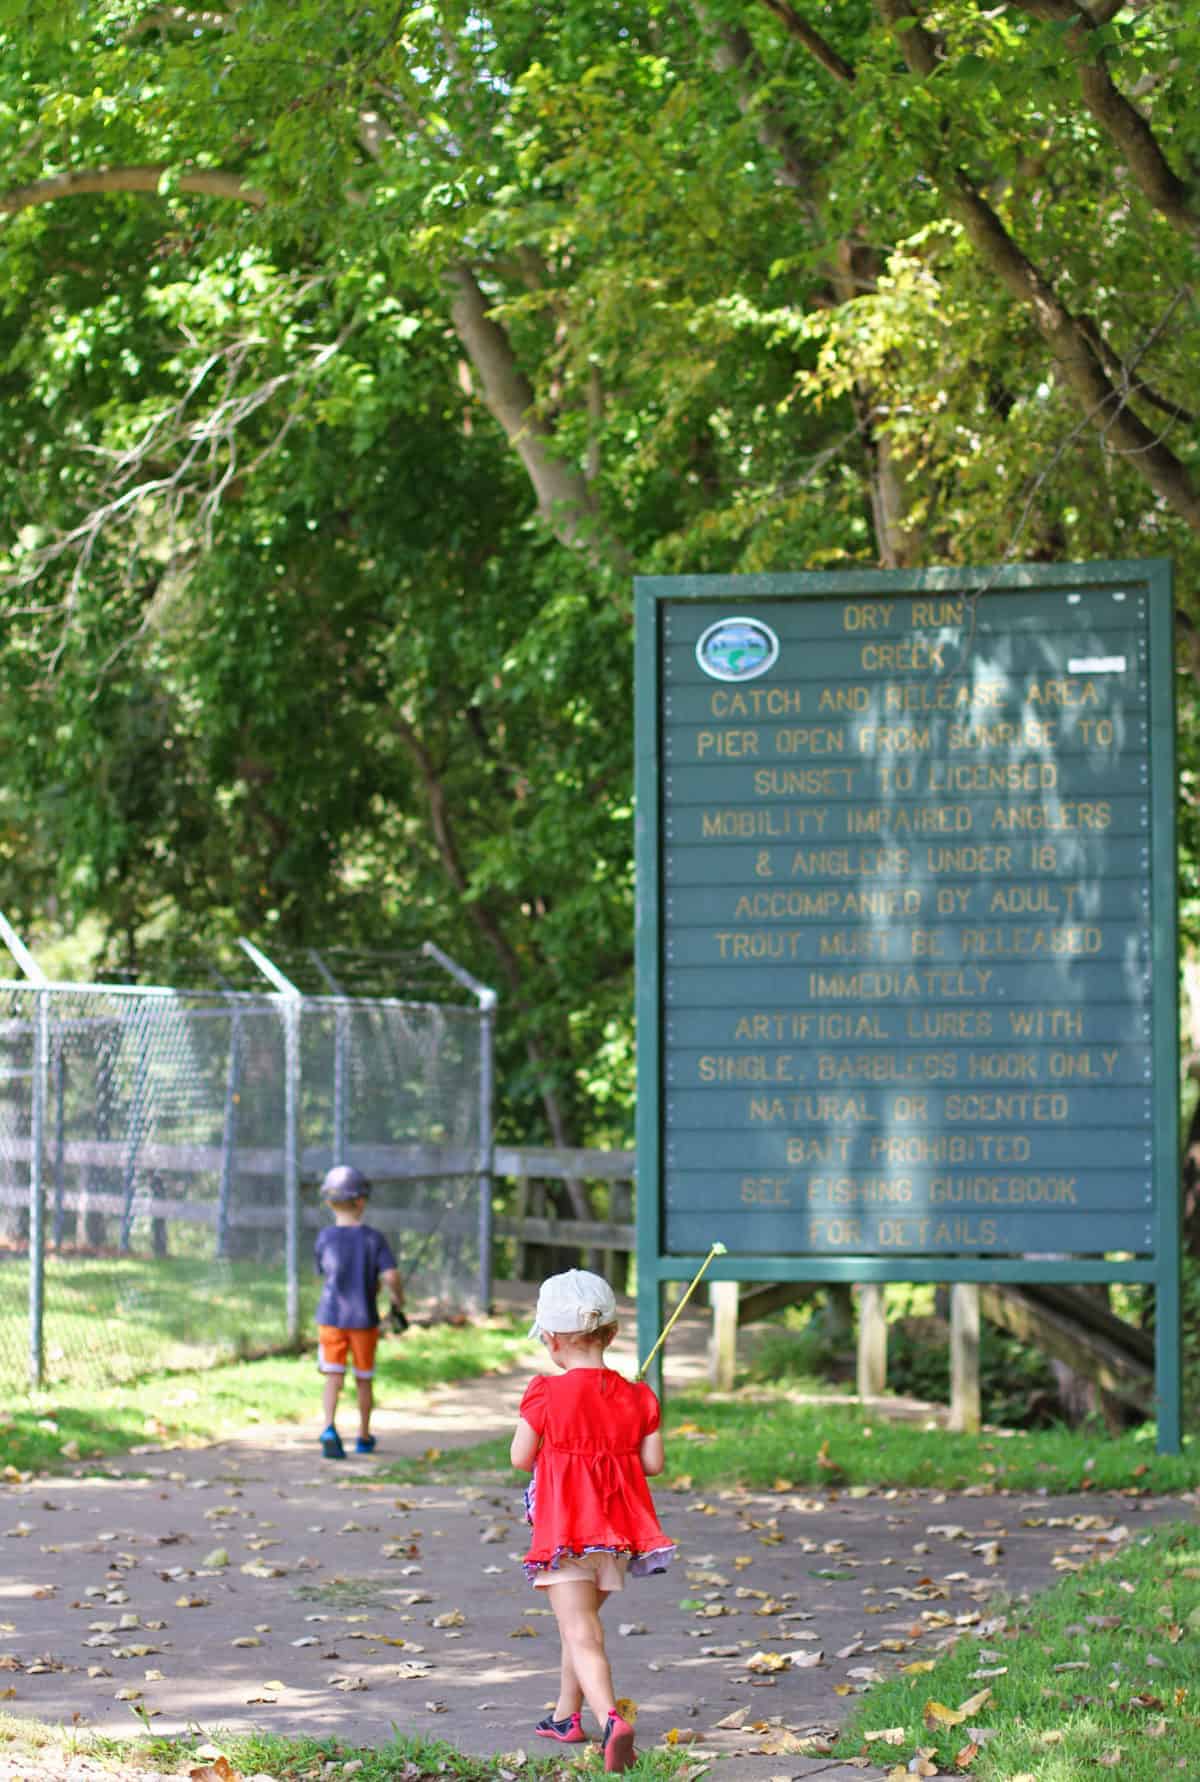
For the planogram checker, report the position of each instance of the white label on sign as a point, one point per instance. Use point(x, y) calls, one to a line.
point(1096, 665)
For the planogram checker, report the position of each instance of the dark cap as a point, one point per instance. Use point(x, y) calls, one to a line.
point(344, 1182)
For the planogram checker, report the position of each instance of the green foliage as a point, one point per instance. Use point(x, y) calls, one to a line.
point(256, 495)
point(761, 1439)
point(1093, 1674)
point(407, 1757)
point(1017, 1385)
point(76, 1421)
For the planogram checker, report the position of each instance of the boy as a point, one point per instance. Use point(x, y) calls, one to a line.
point(354, 1260)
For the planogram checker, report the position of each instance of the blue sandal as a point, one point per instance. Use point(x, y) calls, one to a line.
point(331, 1444)
point(365, 1445)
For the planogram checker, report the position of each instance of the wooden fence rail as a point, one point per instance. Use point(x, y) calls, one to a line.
point(545, 1238)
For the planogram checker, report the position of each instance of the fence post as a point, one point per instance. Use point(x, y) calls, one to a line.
point(291, 1161)
point(872, 1341)
point(487, 1080)
point(37, 1195)
point(341, 1048)
point(620, 1212)
point(233, 1078)
point(341, 1045)
point(486, 1000)
point(293, 1003)
point(723, 1354)
point(139, 1119)
point(965, 1402)
point(60, 1141)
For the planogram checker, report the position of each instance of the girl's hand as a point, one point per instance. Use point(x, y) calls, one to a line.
point(653, 1456)
point(525, 1444)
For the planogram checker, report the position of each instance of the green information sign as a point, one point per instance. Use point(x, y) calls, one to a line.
point(906, 930)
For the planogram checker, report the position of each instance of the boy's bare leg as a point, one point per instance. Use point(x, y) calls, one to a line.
point(576, 1605)
point(332, 1392)
point(570, 1693)
point(366, 1403)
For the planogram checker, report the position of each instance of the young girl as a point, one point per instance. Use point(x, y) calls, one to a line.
point(594, 1437)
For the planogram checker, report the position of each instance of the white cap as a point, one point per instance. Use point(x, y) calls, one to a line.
point(576, 1301)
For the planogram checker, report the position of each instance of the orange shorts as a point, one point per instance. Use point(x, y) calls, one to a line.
point(337, 1344)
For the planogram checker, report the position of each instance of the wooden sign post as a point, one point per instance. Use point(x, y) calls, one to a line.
point(906, 931)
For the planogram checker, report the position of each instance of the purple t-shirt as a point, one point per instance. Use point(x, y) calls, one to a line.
point(351, 1258)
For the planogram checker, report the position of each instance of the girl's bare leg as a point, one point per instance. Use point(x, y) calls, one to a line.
point(330, 1395)
point(570, 1693)
point(576, 1603)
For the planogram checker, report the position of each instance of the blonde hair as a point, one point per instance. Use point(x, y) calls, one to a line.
point(600, 1337)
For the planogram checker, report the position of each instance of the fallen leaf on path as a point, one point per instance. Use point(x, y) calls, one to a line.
point(887, 1735)
point(769, 1661)
point(220, 1771)
point(780, 1743)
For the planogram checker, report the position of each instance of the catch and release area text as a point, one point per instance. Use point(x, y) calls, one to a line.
point(905, 978)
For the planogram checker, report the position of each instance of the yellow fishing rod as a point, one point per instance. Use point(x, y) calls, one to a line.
point(717, 1250)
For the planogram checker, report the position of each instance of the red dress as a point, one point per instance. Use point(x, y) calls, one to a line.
point(589, 1493)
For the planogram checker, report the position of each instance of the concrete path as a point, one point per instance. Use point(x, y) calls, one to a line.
point(253, 1584)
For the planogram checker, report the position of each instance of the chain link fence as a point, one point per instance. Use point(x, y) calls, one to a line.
point(161, 1153)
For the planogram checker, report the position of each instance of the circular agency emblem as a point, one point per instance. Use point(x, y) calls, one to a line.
point(737, 649)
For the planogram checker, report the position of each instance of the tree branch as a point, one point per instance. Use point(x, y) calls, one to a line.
point(208, 182)
point(734, 53)
point(450, 855)
point(814, 43)
point(206, 448)
point(1118, 117)
point(898, 545)
point(1104, 404)
point(563, 497)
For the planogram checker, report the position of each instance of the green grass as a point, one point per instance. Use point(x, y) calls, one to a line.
point(51, 1430)
point(403, 1759)
point(1129, 1710)
point(111, 1318)
point(759, 1438)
